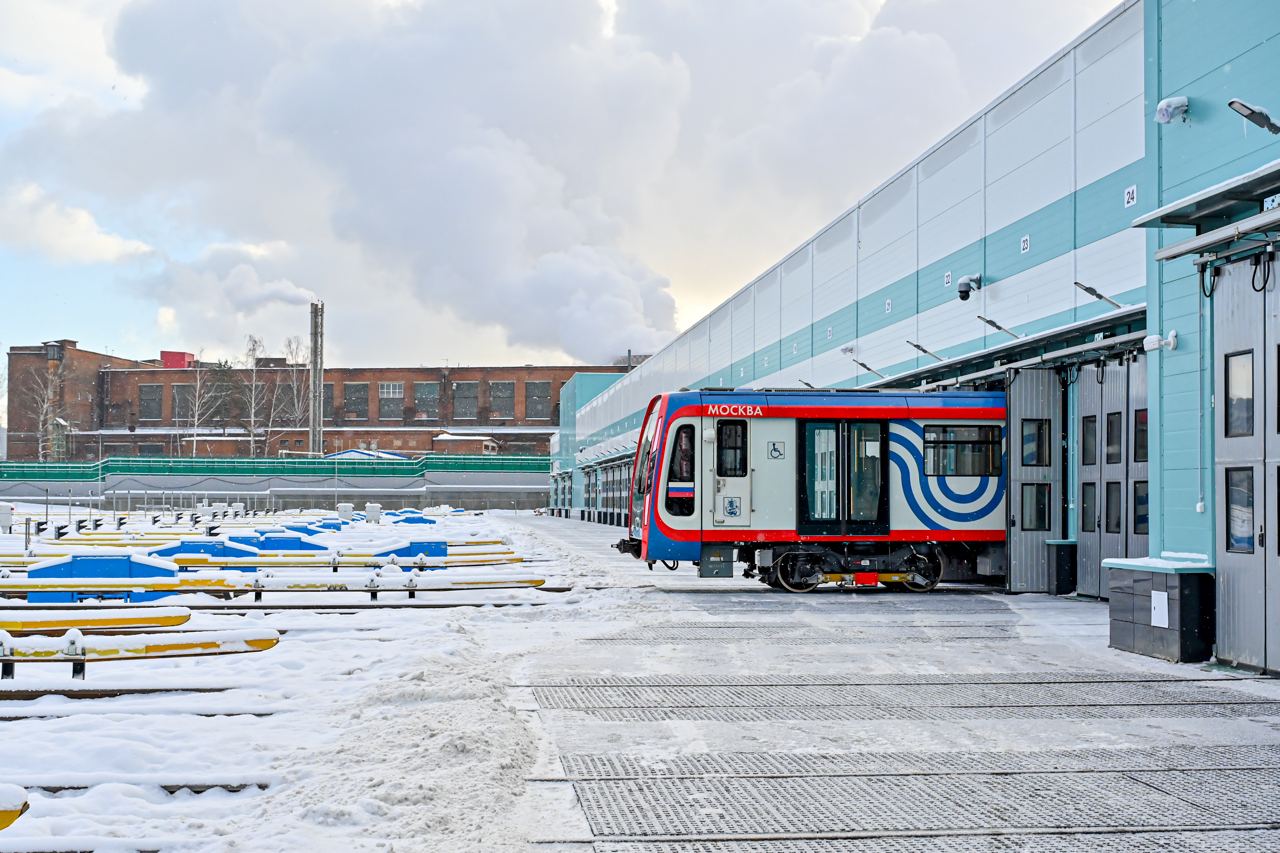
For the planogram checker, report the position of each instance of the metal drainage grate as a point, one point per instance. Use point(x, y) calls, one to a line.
point(584, 766)
point(1237, 841)
point(872, 712)
point(807, 806)
point(1245, 796)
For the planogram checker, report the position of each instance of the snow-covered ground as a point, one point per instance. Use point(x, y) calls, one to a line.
point(451, 729)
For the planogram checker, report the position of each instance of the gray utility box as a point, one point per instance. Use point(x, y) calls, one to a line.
point(717, 561)
point(1162, 615)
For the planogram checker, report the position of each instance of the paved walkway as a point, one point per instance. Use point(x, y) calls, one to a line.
point(722, 717)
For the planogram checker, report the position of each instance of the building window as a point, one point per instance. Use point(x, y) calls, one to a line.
point(1089, 440)
point(1115, 435)
point(502, 400)
point(1113, 509)
point(390, 401)
point(680, 489)
point(1140, 435)
point(1141, 511)
point(151, 449)
point(426, 400)
point(149, 397)
point(183, 403)
point(1239, 508)
point(962, 451)
point(355, 400)
point(327, 414)
point(1036, 513)
point(1239, 374)
point(465, 400)
point(537, 400)
point(1088, 507)
point(731, 449)
point(1036, 451)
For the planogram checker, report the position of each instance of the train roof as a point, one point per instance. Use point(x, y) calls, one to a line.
point(841, 397)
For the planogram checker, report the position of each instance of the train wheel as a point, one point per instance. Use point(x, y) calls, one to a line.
point(927, 568)
point(789, 578)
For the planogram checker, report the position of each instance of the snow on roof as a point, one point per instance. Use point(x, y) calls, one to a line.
point(444, 436)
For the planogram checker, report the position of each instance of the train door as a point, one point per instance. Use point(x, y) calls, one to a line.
point(1242, 430)
point(731, 474)
point(843, 469)
point(1035, 475)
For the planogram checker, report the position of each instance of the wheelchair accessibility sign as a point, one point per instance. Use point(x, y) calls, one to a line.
point(732, 507)
point(776, 450)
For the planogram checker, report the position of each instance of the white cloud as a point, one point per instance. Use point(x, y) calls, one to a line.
point(31, 220)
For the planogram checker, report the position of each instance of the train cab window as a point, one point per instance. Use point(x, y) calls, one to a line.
point(1088, 507)
point(1036, 446)
point(1036, 512)
point(680, 471)
point(731, 449)
point(1089, 440)
point(1139, 435)
point(1239, 376)
point(962, 451)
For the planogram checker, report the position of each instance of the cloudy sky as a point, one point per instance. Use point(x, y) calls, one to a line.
point(478, 181)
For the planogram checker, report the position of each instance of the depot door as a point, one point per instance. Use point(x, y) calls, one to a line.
point(731, 474)
point(1103, 502)
point(1035, 475)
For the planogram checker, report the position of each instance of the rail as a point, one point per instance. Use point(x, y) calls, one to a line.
point(205, 467)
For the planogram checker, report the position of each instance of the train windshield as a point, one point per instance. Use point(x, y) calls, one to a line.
point(642, 479)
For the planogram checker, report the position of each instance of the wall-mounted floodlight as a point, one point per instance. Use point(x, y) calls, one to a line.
point(1172, 108)
point(967, 285)
point(1096, 295)
point(1256, 115)
point(925, 351)
point(993, 324)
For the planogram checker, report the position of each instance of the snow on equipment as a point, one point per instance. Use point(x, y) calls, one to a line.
point(13, 804)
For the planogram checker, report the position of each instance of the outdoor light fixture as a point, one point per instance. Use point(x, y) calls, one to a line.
point(1096, 295)
point(868, 368)
point(993, 324)
point(1155, 342)
point(1256, 115)
point(1170, 109)
point(925, 351)
point(966, 285)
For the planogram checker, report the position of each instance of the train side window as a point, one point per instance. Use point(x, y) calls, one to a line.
point(680, 488)
point(1140, 435)
point(1239, 375)
point(1115, 435)
point(1089, 440)
point(1141, 509)
point(731, 449)
point(952, 450)
point(864, 472)
point(1036, 514)
point(820, 471)
point(1088, 507)
point(1035, 442)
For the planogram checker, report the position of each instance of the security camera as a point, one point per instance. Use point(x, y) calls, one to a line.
point(1170, 109)
point(967, 285)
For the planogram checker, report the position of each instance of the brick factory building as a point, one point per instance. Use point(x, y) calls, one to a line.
point(67, 403)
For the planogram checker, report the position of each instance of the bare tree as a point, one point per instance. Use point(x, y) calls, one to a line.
point(290, 396)
point(208, 397)
point(40, 394)
point(254, 394)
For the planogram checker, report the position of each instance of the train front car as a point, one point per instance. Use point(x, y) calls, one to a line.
point(859, 488)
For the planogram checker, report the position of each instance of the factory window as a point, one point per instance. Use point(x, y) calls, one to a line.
point(465, 400)
point(1115, 435)
point(183, 403)
point(1036, 451)
point(1089, 440)
point(1141, 510)
point(502, 399)
point(731, 449)
point(962, 451)
point(327, 414)
point(1088, 507)
point(151, 449)
point(680, 490)
point(426, 400)
point(1239, 507)
point(537, 400)
point(390, 400)
point(149, 397)
point(355, 400)
point(1036, 513)
point(1140, 435)
point(1114, 511)
point(1239, 375)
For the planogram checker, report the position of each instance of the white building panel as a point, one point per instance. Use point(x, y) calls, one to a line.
point(1041, 126)
point(952, 230)
point(797, 291)
point(1111, 142)
point(831, 367)
point(1030, 187)
point(886, 216)
point(1033, 294)
point(952, 323)
point(1118, 32)
point(720, 329)
point(952, 173)
point(1111, 81)
point(1113, 264)
point(699, 365)
point(835, 267)
point(744, 324)
point(768, 308)
point(886, 266)
point(888, 346)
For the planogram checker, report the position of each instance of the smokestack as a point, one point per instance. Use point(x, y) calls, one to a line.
point(317, 378)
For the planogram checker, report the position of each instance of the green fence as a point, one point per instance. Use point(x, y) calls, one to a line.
point(123, 466)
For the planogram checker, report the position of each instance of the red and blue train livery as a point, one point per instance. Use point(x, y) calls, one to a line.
point(811, 486)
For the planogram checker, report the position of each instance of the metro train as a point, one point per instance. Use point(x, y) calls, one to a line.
point(857, 488)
